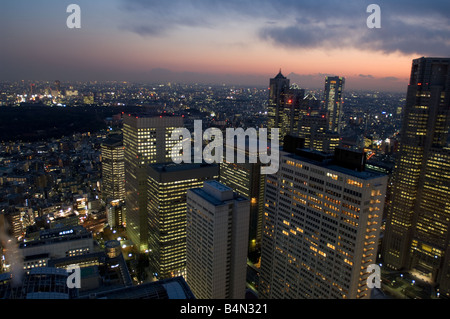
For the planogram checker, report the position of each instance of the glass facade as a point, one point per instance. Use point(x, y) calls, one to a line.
point(417, 229)
point(166, 218)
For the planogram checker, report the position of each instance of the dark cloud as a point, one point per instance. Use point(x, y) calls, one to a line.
point(145, 30)
point(408, 26)
point(153, 17)
point(422, 32)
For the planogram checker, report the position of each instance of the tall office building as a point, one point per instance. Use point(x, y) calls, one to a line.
point(115, 213)
point(167, 188)
point(146, 141)
point(417, 230)
point(11, 224)
point(311, 104)
point(314, 129)
point(334, 102)
point(216, 244)
point(246, 180)
point(322, 222)
point(285, 105)
point(113, 168)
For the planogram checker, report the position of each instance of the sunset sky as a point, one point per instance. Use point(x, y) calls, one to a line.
point(217, 41)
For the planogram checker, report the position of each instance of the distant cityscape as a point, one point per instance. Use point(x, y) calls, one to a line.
point(87, 181)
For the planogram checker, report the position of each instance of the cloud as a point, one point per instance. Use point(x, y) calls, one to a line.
point(154, 18)
point(145, 30)
point(390, 78)
point(408, 32)
point(408, 26)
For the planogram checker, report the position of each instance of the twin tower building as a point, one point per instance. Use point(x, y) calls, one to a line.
point(311, 230)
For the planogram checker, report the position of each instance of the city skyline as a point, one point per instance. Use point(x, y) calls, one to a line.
point(221, 42)
point(135, 142)
point(323, 220)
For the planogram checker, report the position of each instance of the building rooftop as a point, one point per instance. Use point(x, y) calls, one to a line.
point(173, 288)
point(56, 235)
point(328, 161)
point(113, 141)
point(219, 186)
point(167, 173)
point(217, 194)
point(172, 167)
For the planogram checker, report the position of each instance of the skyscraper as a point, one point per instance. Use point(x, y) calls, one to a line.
point(216, 244)
point(167, 188)
point(113, 168)
point(146, 141)
point(334, 102)
point(314, 129)
point(417, 230)
point(246, 180)
point(285, 105)
point(322, 222)
point(115, 213)
point(11, 224)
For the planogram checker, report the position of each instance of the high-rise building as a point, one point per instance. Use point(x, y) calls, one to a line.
point(334, 102)
point(285, 105)
point(147, 140)
point(166, 205)
point(417, 229)
point(246, 180)
point(322, 222)
point(311, 104)
point(10, 224)
point(216, 244)
point(314, 129)
point(113, 168)
point(115, 213)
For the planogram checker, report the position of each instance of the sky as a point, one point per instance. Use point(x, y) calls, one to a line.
point(242, 42)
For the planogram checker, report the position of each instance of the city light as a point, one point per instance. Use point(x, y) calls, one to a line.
point(238, 152)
